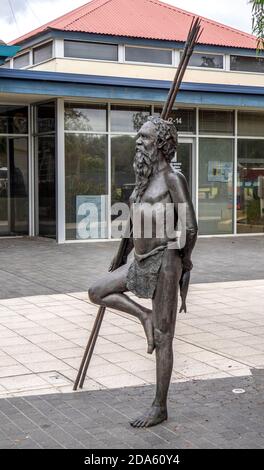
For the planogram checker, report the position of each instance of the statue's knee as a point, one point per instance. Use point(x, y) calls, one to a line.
point(162, 338)
point(94, 294)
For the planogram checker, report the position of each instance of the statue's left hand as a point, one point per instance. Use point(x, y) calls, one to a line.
point(187, 264)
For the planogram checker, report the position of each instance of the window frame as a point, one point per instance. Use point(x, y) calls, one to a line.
point(91, 42)
point(245, 71)
point(20, 55)
point(40, 45)
point(223, 69)
point(157, 64)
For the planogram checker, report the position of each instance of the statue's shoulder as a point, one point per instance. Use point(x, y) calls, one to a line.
point(175, 179)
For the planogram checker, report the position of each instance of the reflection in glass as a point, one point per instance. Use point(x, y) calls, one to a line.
point(4, 229)
point(129, 118)
point(247, 64)
point(85, 117)
point(250, 191)
point(184, 162)
point(209, 61)
point(123, 176)
point(85, 182)
point(46, 186)
point(13, 120)
point(42, 53)
point(216, 122)
point(13, 186)
point(216, 186)
point(21, 61)
point(251, 123)
point(90, 50)
point(46, 117)
point(148, 55)
point(18, 161)
point(184, 119)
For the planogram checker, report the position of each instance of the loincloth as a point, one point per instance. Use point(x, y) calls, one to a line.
point(143, 273)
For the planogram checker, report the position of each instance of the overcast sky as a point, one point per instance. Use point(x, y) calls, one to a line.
point(20, 16)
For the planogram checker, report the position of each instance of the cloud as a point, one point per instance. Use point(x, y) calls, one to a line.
point(235, 13)
point(30, 14)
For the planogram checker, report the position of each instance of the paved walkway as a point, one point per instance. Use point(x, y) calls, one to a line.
point(219, 347)
point(40, 266)
point(43, 338)
point(203, 414)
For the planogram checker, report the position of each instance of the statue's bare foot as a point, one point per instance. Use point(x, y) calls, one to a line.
point(149, 330)
point(155, 415)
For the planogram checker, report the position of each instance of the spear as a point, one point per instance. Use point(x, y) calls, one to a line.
point(192, 39)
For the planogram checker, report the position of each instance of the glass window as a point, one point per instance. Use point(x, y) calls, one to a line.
point(85, 117)
point(123, 176)
point(46, 157)
point(90, 50)
point(6, 65)
point(129, 118)
point(183, 161)
point(148, 55)
point(46, 117)
point(250, 191)
point(21, 61)
point(13, 120)
point(86, 186)
point(4, 189)
point(13, 186)
point(251, 123)
point(204, 60)
point(42, 53)
point(247, 64)
point(216, 186)
point(216, 122)
point(184, 119)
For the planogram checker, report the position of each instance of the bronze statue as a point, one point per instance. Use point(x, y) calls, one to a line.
point(156, 270)
point(160, 263)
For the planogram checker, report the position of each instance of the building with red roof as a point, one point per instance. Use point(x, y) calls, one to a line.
point(127, 18)
point(75, 93)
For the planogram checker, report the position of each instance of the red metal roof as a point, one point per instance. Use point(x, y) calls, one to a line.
point(149, 19)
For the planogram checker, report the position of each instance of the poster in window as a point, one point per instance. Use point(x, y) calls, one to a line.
point(220, 172)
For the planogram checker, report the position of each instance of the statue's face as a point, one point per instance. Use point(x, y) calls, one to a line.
point(146, 157)
point(146, 138)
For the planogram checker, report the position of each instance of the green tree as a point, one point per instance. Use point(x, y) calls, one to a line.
point(258, 21)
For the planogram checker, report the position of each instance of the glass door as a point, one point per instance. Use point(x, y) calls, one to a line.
point(13, 186)
point(4, 188)
point(45, 147)
point(250, 190)
point(183, 161)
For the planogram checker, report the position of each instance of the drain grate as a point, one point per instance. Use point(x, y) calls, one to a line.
point(238, 391)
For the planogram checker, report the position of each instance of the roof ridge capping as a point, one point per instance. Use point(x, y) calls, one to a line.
point(91, 10)
point(208, 20)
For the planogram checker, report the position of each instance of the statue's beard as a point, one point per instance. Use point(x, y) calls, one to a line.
point(145, 166)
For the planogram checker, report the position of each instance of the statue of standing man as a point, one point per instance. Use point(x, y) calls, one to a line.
point(158, 264)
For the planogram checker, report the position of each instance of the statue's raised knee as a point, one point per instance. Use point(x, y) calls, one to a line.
point(94, 294)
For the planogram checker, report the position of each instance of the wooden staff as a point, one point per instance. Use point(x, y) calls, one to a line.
point(192, 39)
